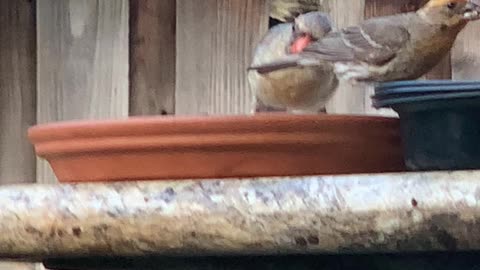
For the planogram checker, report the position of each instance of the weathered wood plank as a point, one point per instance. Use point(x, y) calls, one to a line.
point(17, 97)
point(82, 62)
point(466, 54)
point(17, 90)
point(152, 57)
point(215, 43)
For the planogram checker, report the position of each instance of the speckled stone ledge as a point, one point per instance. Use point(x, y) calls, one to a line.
point(304, 215)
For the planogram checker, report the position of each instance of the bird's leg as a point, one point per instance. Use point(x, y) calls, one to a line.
point(322, 111)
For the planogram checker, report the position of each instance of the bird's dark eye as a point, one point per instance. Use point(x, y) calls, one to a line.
point(451, 5)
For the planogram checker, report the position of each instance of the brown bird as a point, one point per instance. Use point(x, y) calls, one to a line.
point(302, 89)
point(398, 47)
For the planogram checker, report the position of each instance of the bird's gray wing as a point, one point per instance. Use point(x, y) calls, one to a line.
point(375, 41)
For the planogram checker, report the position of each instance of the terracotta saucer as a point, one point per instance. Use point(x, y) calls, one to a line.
point(174, 147)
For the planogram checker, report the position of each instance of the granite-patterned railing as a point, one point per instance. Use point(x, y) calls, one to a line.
point(298, 215)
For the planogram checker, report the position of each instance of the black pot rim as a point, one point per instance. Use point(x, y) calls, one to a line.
point(423, 83)
point(422, 90)
point(386, 103)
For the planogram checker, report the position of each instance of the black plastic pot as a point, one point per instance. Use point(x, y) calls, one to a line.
point(440, 122)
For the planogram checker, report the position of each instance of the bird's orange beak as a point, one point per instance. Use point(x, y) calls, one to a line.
point(300, 43)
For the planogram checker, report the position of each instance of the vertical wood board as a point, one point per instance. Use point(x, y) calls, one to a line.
point(215, 42)
point(466, 54)
point(152, 57)
point(82, 62)
point(17, 90)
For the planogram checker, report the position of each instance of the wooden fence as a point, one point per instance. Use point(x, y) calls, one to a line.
point(97, 59)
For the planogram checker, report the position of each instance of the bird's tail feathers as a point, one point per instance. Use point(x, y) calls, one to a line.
point(271, 67)
point(283, 64)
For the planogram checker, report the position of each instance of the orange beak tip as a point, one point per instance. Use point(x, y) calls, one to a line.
point(300, 44)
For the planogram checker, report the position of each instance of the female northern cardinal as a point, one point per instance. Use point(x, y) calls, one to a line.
point(301, 89)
